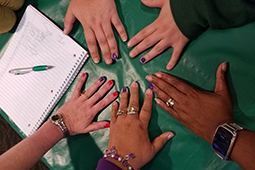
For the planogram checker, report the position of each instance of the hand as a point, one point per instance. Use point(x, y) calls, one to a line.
point(199, 111)
point(129, 134)
point(163, 32)
point(96, 18)
point(80, 110)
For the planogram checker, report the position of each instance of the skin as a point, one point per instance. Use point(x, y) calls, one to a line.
point(162, 34)
point(97, 18)
point(126, 141)
point(202, 112)
point(79, 109)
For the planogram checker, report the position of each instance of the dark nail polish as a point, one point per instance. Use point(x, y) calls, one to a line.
point(143, 60)
point(124, 89)
point(101, 79)
point(114, 56)
point(150, 86)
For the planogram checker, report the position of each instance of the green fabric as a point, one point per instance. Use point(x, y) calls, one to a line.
point(197, 66)
point(193, 17)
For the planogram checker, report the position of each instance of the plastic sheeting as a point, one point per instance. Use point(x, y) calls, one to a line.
point(196, 66)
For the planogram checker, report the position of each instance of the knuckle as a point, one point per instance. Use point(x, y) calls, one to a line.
point(158, 49)
point(109, 36)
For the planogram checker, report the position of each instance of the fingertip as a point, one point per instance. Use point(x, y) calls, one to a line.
point(169, 67)
point(106, 125)
point(224, 66)
point(169, 135)
point(149, 92)
point(134, 84)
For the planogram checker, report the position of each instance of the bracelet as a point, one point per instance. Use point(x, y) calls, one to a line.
point(124, 160)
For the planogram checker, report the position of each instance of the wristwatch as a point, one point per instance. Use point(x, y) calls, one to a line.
point(57, 119)
point(224, 139)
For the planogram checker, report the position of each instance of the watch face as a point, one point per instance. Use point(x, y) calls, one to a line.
point(55, 117)
point(222, 141)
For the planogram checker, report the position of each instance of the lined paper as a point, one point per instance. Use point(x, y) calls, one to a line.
point(29, 98)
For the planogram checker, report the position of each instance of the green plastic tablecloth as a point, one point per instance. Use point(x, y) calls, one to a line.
point(196, 66)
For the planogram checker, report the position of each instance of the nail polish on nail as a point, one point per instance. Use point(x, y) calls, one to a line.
point(124, 89)
point(101, 79)
point(110, 82)
point(150, 86)
point(115, 93)
point(143, 60)
point(107, 125)
point(114, 56)
point(83, 74)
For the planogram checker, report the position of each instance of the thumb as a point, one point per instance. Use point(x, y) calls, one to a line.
point(161, 140)
point(96, 126)
point(68, 21)
point(221, 86)
point(153, 3)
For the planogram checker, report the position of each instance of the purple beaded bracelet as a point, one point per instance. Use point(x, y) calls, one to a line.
point(124, 160)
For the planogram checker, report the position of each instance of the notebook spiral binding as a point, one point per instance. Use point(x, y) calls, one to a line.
point(61, 91)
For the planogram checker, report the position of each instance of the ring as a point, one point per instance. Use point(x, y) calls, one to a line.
point(131, 110)
point(170, 102)
point(120, 112)
point(83, 93)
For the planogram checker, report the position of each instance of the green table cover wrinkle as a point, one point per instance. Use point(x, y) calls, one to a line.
point(197, 66)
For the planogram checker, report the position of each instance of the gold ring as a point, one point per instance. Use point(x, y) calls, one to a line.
point(131, 110)
point(170, 102)
point(83, 93)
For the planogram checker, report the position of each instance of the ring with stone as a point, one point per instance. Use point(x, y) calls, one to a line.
point(131, 110)
point(170, 102)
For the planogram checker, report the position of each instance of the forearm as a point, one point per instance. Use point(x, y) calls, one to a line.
point(243, 152)
point(26, 153)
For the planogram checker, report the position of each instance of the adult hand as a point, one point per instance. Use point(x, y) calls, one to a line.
point(80, 110)
point(129, 134)
point(96, 18)
point(199, 111)
point(163, 32)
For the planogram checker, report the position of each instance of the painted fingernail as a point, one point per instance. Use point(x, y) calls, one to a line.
point(107, 125)
point(101, 79)
point(110, 82)
point(143, 60)
point(151, 86)
point(114, 56)
point(83, 74)
point(115, 93)
point(124, 89)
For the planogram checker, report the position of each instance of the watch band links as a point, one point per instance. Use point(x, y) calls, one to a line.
point(64, 128)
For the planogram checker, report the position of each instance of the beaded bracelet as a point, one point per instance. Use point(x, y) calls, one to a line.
point(124, 160)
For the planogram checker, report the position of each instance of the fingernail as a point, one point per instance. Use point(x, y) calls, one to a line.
point(149, 78)
point(96, 60)
point(107, 125)
point(114, 56)
point(131, 54)
point(64, 31)
point(169, 67)
point(110, 82)
point(83, 74)
point(143, 60)
point(124, 89)
point(134, 84)
point(156, 100)
point(150, 86)
point(108, 61)
point(224, 67)
point(101, 79)
point(149, 91)
point(158, 75)
point(115, 93)
point(170, 136)
point(129, 44)
point(124, 39)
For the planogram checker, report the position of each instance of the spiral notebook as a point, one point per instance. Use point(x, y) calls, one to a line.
point(29, 95)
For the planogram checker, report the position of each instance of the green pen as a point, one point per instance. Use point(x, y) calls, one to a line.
point(20, 71)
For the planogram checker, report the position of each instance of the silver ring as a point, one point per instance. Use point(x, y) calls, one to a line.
point(131, 110)
point(120, 112)
point(170, 102)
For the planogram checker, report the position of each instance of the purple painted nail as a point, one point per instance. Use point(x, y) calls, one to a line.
point(101, 79)
point(124, 89)
point(143, 60)
point(114, 56)
point(150, 86)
